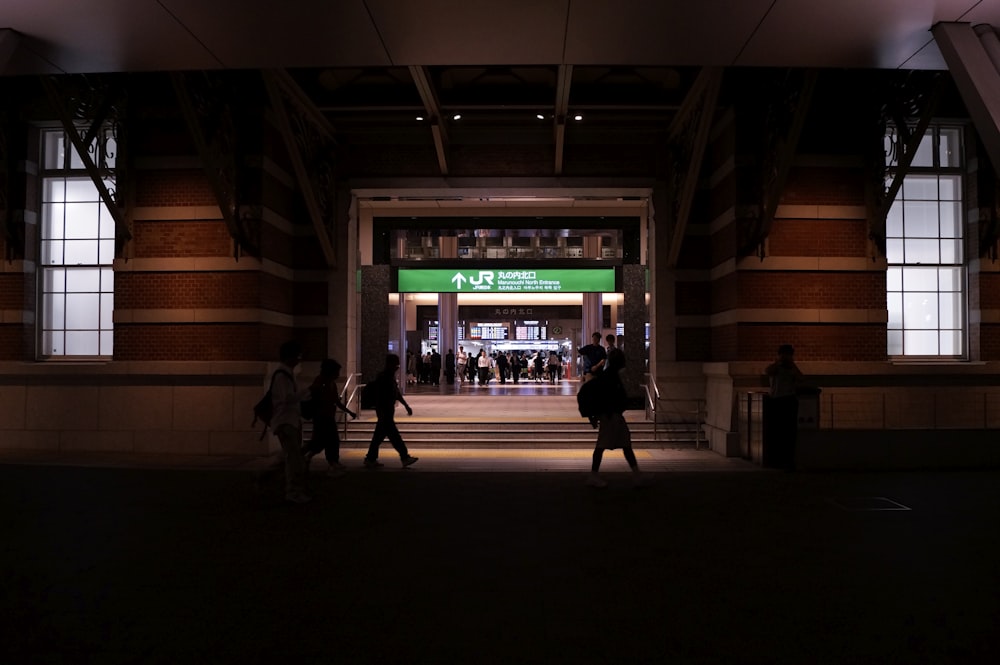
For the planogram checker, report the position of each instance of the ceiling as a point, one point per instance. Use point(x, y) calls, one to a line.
point(385, 71)
point(89, 36)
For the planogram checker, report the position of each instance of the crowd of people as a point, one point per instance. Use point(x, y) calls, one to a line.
point(481, 368)
point(324, 401)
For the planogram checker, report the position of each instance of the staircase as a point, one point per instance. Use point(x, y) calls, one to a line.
point(428, 432)
point(505, 420)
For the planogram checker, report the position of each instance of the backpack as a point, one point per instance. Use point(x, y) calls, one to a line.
point(263, 410)
point(588, 399)
point(370, 394)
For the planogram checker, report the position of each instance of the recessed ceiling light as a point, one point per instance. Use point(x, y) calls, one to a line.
point(420, 117)
point(540, 116)
point(457, 116)
point(578, 117)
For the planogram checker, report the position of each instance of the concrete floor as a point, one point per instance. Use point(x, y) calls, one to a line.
point(119, 562)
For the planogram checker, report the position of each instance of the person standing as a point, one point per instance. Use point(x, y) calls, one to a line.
point(502, 366)
point(461, 361)
point(781, 409)
point(325, 436)
point(386, 395)
point(411, 368)
point(613, 430)
point(483, 364)
point(286, 423)
point(449, 367)
point(593, 356)
point(552, 366)
point(435, 375)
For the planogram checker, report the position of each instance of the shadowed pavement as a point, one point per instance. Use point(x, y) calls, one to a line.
point(113, 565)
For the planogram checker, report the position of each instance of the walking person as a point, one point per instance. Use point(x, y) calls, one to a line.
point(386, 395)
point(325, 436)
point(610, 396)
point(460, 362)
point(286, 423)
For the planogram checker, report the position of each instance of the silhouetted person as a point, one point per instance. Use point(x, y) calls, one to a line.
point(449, 367)
point(386, 395)
point(286, 423)
point(781, 409)
point(614, 432)
point(325, 436)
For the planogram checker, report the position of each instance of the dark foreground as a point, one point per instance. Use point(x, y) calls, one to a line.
point(159, 566)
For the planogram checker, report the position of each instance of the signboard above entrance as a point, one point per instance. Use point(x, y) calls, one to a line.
point(534, 280)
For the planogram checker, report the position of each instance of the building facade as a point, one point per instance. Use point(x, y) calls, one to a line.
point(164, 233)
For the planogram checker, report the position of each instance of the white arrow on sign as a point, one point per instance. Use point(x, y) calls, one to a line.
point(459, 278)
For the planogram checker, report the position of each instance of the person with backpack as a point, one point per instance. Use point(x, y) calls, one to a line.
point(605, 399)
point(385, 394)
point(286, 423)
point(327, 401)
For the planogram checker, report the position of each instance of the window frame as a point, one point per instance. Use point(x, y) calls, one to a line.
point(97, 305)
point(905, 243)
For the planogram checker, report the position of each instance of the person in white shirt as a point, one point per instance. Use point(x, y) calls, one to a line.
point(286, 423)
point(461, 360)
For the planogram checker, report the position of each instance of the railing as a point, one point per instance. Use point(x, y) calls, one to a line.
point(674, 410)
point(349, 396)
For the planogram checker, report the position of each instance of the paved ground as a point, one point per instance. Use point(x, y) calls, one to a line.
point(168, 565)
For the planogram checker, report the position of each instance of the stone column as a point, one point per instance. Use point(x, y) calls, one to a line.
point(447, 307)
point(634, 290)
point(374, 315)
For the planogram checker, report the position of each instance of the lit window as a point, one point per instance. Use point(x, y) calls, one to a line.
point(77, 235)
point(925, 283)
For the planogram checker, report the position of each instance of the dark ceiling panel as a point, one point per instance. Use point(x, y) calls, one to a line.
point(709, 32)
point(849, 33)
point(473, 32)
point(268, 34)
point(99, 36)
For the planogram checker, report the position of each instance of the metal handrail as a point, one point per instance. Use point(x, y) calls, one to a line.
point(350, 398)
point(699, 412)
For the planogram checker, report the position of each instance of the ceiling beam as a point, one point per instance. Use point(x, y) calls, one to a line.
point(563, 83)
point(433, 109)
point(9, 41)
point(976, 75)
point(309, 140)
point(688, 134)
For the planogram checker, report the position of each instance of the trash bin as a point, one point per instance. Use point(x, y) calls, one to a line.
point(808, 417)
point(782, 418)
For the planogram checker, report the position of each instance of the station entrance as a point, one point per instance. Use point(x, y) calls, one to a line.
point(519, 295)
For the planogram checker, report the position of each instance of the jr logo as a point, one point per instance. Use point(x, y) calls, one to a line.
point(484, 276)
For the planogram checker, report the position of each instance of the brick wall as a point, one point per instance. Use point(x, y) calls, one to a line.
point(187, 290)
point(862, 342)
point(161, 239)
point(811, 290)
point(189, 341)
point(173, 188)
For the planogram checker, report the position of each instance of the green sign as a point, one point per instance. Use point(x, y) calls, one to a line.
point(546, 280)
